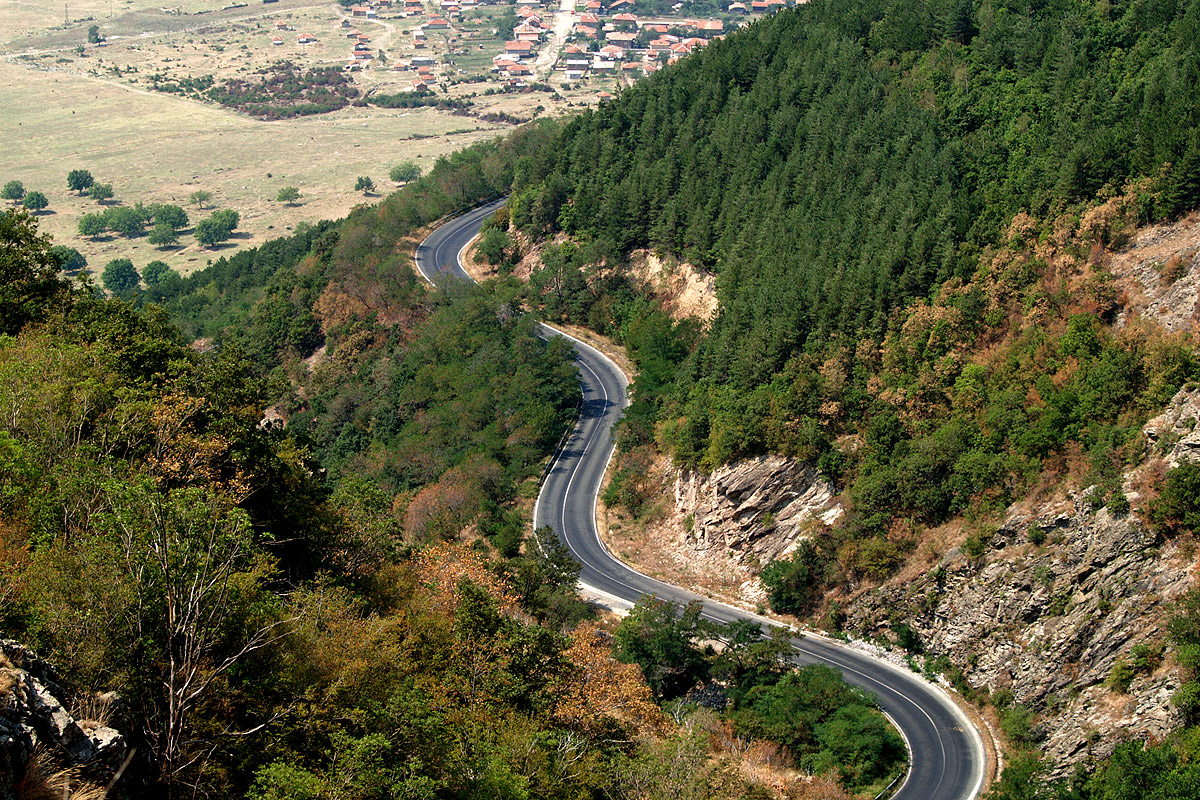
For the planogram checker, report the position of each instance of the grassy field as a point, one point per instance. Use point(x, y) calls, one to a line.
point(155, 148)
point(65, 111)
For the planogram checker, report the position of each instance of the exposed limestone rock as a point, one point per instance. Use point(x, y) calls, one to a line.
point(1174, 434)
point(1159, 275)
point(756, 509)
point(684, 290)
point(1048, 623)
point(32, 716)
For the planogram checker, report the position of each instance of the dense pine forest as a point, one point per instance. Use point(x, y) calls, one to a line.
point(830, 163)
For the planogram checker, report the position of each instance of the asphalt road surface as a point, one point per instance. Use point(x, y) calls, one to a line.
point(946, 751)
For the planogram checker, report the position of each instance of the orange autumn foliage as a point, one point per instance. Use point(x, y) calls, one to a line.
point(597, 686)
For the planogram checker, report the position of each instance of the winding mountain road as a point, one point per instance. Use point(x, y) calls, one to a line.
point(946, 750)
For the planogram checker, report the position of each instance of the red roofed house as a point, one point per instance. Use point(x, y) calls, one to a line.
point(359, 11)
point(419, 85)
point(437, 24)
point(586, 30)
point(277, 41)
point(612, 52)
point(604, 96)
point(589, 19)
point(758, 7)
point(657, 28)
point(518, 48)
point(621, 5)
point(662, 43)
point(593, 5)
point(709, 26)
point(305, 38)
point(625, 18)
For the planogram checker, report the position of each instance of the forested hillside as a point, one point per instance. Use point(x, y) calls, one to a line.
point(831, 162)
point(911, 211)
point(344, 606)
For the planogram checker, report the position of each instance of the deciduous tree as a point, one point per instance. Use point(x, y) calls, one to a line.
point(403, 173)
point(120, 277)
point(79, 180)
point(100, 192)
point(35, 201)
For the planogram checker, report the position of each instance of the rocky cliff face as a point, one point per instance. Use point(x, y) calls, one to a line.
point(1061, 599)
point(34, 720)
point(756, 510)
point(1049, 622)
point(1063, 593)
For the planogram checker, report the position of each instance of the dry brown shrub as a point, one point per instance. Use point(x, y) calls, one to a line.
point(43, 780)
point(443, 568)
point(817, 788)
point(1173, 270)
point(598, 686)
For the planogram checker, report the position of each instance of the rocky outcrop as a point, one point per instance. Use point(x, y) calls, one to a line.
point(1059, 596)
point(756, 510)
point(1049, 622)
point(1174, 434)
point(32, 717)
point(1158, 275)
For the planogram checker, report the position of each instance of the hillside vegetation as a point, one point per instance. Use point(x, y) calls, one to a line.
point(910, 211)
point(832, 162)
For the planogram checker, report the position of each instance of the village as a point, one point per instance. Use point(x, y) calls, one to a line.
point(568, 46)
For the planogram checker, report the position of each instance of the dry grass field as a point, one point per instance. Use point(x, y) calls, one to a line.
point(64, 111)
